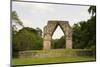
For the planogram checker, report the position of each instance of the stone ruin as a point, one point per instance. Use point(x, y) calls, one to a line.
point(50, 28)
point(48, 32)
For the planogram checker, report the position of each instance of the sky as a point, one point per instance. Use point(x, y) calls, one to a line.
point(38, 14)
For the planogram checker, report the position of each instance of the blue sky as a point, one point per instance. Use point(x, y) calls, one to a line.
point(37, 14)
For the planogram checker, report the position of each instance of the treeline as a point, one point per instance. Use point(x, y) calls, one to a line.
point(84, 34)
point(26, 39)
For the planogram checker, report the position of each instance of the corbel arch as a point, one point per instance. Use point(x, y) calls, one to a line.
point(49, 31)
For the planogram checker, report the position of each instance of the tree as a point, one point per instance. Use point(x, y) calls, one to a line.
point(84, 34)
point(39, 31)
point(26, 39)
point(16, 19)
point(92, 10)
point(15, 22)
point(58, 43)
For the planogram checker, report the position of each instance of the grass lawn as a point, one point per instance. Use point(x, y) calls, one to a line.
point(26, 61)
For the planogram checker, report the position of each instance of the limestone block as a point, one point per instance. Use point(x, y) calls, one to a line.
point(69, 44)
point(46, 45)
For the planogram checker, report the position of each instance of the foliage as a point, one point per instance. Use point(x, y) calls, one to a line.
point(16, 19)
point(39, 31)
point(15, 22)
point(92, 10)
point(58, 43)
point(84, 34)
point(27, 39)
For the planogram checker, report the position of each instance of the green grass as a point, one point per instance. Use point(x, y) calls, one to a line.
point(25, 61)
point(46, 60)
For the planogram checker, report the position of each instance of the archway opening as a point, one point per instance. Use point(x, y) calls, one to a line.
point(58, 39)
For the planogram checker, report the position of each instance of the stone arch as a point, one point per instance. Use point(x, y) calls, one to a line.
point(49, 30)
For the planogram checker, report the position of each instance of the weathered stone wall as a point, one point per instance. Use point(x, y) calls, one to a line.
point(56, 53)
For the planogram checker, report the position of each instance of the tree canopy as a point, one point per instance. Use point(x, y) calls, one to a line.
point(92, 10)
point(26, 39)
